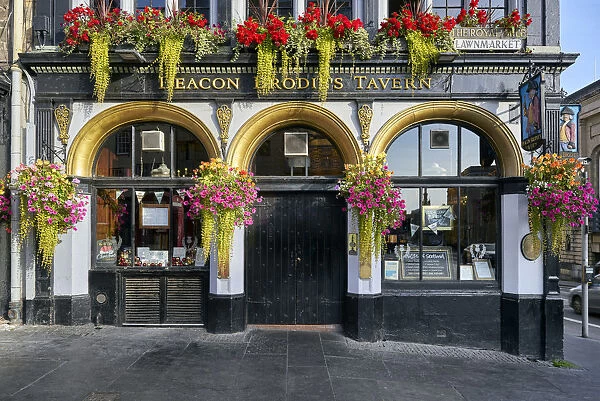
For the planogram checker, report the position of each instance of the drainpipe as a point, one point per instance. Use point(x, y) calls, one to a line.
point(15, 306)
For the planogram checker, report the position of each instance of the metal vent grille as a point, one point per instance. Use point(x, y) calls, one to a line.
point(184, 300)
point(142, 300)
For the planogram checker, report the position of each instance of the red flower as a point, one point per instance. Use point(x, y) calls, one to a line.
point(312, 34)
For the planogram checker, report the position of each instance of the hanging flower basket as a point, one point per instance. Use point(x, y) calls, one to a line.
point(49, 205)
point(374, 201)
point(223, 198)
point(558, 200)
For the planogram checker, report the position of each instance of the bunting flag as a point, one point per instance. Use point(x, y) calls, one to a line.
point(413, 229)
point(159, 196)
point(118, 194)
point(139, 195)
point(449, 214)
point(433, 227)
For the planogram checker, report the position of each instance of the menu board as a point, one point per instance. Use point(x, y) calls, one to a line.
point(436, 264)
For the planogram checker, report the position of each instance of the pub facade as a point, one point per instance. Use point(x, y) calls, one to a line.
point(457, 272)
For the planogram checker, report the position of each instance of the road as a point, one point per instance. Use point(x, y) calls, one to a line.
point(584, 352)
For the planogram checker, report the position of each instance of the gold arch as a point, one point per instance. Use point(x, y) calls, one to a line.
point(258, 127)
point(87, 143)
point(500, 137)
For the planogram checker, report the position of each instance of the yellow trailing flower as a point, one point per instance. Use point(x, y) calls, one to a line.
point(99, 63)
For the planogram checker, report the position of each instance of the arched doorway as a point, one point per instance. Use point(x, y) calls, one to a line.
point(296, 264)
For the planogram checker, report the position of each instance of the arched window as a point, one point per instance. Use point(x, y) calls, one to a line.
point(449, 179)
point(297, 151)
point(139, 175)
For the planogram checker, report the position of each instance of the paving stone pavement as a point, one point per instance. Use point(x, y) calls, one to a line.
point(136, 363)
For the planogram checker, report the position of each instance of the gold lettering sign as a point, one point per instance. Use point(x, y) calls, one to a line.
point(356, 82)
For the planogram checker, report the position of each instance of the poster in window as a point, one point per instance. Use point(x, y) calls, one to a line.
point(154, 216)
point(438, 218)
point(391, 270)
point(483, 269)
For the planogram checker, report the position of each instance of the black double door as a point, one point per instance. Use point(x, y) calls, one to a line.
point(296, 259)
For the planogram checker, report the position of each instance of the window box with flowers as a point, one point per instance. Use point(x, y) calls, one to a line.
point(374, 202)
point(222, 198)
point(49, 205)
point(106, 28)
point(558, 200)
point(424, 35)
point(290, 42)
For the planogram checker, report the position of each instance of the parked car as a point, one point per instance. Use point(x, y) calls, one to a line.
point(593, 296)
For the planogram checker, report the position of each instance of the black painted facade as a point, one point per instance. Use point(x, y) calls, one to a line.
point(456, 313)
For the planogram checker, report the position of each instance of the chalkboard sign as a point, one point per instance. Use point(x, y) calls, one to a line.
point(438, 217)
point(436, 265)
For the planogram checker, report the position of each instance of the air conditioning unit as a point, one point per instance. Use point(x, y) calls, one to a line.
point(296, 143)
point(439, 139)
point(153, 141)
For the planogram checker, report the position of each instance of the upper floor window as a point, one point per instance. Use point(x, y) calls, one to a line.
point(447, 7)
point(141, 4)
point(495, 8)
point(110, 4)
point(199, 6)
point(285, 8)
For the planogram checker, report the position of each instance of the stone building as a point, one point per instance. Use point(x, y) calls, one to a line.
point(455, 273)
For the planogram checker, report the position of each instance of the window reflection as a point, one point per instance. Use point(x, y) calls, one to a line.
point(403, 154)
point(439, 150)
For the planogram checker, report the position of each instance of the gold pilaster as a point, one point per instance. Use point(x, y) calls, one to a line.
point(365, 115)
point(63, 119)
point(224, 115)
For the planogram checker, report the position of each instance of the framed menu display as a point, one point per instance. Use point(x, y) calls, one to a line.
point(154, 216)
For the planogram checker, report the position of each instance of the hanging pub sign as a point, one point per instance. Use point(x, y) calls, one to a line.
point(568, 138)
point(532, 110)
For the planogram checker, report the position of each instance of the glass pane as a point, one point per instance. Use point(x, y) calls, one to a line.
point(185, 249)
point(478, 233)
point(113, 227)
point(440, 233)
point(439, 150)
point(403, 154)
point(114, 158)
point(152, 227)
point(478, 158)
point(282, 8)
point(395, 6)
point(153, 150)
point(189, 152)
point(323, 157)
point(199, 6)
point(401, 243)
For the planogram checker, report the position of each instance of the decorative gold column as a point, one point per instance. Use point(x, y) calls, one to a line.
point(63, 119)
point(224, 115)
point(365, 115)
